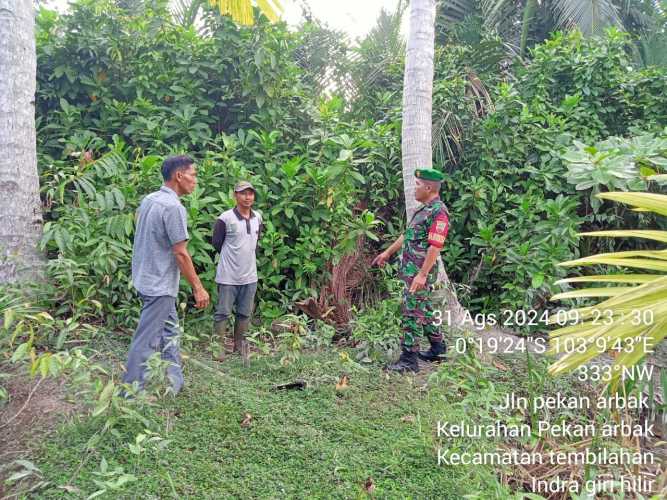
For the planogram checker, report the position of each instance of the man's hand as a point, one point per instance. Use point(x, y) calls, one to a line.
point(201, 298)
point(418, 283)
point(381, 259)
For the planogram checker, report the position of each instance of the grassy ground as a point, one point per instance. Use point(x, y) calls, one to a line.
point(376, 435)
point(353, 432)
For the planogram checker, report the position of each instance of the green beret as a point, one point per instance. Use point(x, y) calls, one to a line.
point(429, 174)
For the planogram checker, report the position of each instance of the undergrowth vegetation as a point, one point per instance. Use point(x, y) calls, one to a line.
point(121, 91)
point(526, 145)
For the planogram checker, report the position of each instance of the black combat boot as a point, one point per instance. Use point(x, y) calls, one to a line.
point(436, 353)
point(406, 363)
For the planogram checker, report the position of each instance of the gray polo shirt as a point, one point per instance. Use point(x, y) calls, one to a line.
point(161, 223)
point(238, 265)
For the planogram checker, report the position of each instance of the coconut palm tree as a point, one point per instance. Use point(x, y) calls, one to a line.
point(416, 138)
point(417, 96)
point(591, 17)
point(20, 207)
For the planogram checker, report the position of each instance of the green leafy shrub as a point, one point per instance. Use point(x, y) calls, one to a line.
point(117, 92)
point(143, 88)
point(517, 214)
point(377, 329)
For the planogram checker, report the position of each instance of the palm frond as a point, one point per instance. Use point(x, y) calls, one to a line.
point(185, 12)
point(631, 233)
point(455, 11)
point(591, 17)
point(610, 278)
point(503, 17)
point(495, 11)
point(652, 48)
point(647, 201)
point(634, 317)
point(447, 133)
point(271, 9)
point(448, 129)
point(592, 292)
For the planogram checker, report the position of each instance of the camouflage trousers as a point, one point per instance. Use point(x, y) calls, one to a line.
point(419, 318)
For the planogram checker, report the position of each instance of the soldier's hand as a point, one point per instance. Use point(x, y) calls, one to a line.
point(381, 259)
point(202, 298)
point(418, 283)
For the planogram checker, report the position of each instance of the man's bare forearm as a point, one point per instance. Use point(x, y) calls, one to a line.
point(431, 257)
point(395, 246)
point(187, 268)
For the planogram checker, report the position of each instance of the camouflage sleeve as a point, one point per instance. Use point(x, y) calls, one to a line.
point(438, 230)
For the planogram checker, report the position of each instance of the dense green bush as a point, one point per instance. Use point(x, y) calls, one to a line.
point(517, 212)
point(119, 91)
point(103, 70)
point(500, 132)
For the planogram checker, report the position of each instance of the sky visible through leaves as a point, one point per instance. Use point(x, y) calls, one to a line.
point(354, 17)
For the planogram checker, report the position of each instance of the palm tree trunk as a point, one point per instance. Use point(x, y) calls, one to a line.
point(418, 121)
point(417, 97)
point(528, 13)
point(20, 207)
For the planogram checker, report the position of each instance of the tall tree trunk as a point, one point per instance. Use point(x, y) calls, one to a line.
point(417, 97)
point(528, 13)
point(20, 207)
point(418, 121)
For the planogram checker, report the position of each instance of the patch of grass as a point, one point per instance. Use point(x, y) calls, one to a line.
point(317, 443)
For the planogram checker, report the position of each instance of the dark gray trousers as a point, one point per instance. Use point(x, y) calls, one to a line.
point(158, 331)
point(240, 297)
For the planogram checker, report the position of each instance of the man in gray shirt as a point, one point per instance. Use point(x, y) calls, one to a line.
point(235, 236)
point(159, 255)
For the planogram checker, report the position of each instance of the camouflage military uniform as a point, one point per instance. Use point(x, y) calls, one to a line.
point(428, 227)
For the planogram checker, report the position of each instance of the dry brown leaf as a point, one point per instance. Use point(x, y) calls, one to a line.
point(408, 418)
point(247, 419)
point(499, 365)
point(369, 486)
point(343, 383)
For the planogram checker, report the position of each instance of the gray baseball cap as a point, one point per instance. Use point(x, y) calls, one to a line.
point(243, 185)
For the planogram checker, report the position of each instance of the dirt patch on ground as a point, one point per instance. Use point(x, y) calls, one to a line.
point(34, 409)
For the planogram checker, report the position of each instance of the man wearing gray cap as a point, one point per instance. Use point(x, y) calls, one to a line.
point(235, 237)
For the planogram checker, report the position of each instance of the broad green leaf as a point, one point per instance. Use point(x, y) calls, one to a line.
point(105, 395)
point(100, 408)
point(27, 464)
point(18, 475)
point(21, 352)
point(44, 365)
point(537, 280)
point(8, 318)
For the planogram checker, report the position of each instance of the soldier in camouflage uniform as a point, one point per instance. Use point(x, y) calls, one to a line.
point(420, 246)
